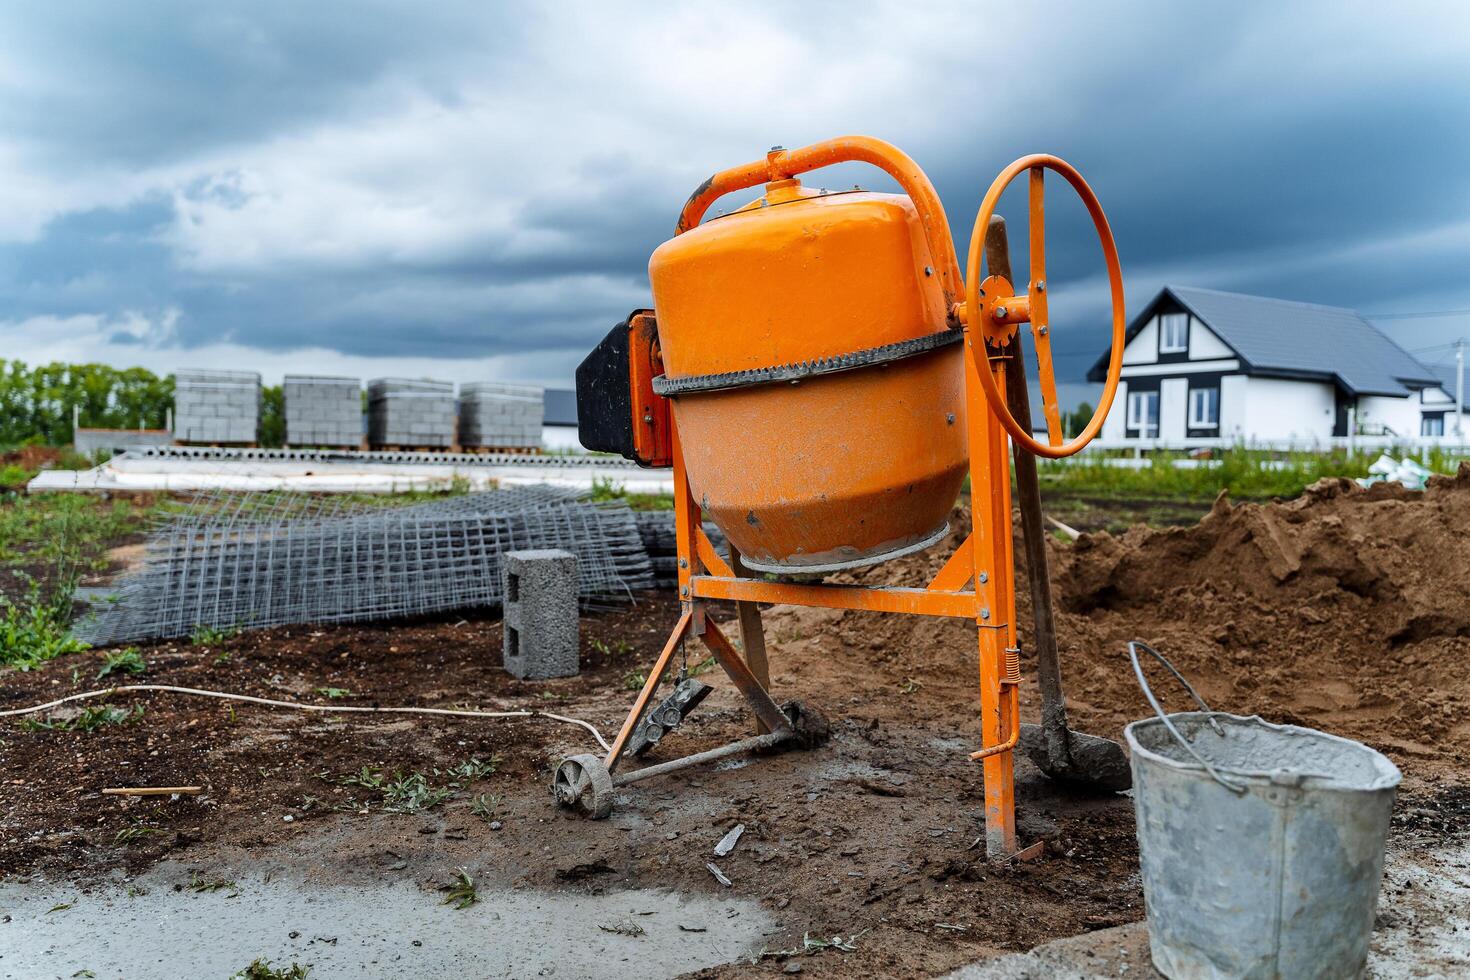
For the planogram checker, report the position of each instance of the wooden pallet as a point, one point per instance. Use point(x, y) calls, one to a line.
point(218, 445)
point(398, 448)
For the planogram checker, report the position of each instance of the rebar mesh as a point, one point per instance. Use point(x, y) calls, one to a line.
point(255, 560)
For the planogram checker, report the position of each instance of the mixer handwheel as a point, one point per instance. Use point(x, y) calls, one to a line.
point(582, 781)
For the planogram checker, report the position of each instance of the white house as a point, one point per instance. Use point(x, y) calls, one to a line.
point(559, 421)
point(1202, 366)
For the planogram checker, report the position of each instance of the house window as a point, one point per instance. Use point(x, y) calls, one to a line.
point(1174, 333)
point(1143, 413)
point(1204, 408)
point(1432, 425)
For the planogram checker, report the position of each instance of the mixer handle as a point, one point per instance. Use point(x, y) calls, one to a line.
point(780, 164)
point(993, 311)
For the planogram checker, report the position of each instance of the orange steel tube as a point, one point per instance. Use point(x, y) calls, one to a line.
point(649, 686)
point(993, 394)
point(922, 602)
point(781, 164)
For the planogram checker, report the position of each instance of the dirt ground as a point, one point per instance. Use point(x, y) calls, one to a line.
point(1345, 610)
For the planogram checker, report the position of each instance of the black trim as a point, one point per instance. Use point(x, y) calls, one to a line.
point(1142, 385)
point(1174, 356)
point(1164, 298)
point(871, 357)
point(1204, 381)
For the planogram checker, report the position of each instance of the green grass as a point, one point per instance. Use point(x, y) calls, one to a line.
point(1249, 474)
point(35, 629)
point(608, 490)
point(54, 529)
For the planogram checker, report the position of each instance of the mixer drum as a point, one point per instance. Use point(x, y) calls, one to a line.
point(817, 391)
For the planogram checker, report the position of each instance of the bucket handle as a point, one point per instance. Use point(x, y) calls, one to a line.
point(1237, 788)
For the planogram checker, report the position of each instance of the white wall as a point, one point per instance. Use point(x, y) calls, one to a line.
point(1232, 407)
point(1117, 415)
point(1276, 408)
point(1144, 347)
point(1203, 344)
point(1399, 414)
point(1173, 406)
point(560, 438)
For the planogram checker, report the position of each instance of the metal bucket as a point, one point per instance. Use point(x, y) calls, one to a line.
point(1261, 845)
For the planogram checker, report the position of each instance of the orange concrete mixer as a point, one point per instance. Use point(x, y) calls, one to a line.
point(822, 379)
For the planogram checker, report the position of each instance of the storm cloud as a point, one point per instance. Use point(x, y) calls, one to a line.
point(472, 190)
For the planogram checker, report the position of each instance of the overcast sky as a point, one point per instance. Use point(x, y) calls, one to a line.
point(471, 190)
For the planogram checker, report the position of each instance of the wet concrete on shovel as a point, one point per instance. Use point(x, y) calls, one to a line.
point(172, 923)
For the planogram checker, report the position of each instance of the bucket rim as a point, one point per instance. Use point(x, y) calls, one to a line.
point(1388, 774)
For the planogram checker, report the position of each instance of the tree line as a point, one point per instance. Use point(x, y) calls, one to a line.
point(36, 403)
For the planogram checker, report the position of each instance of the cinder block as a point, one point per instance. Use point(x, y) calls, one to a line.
point(541, 625)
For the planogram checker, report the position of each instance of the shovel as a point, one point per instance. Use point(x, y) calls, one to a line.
point(1064, 755)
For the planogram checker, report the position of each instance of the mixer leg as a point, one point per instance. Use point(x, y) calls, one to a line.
point(729, 658)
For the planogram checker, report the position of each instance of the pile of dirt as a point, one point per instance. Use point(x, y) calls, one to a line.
point(1346, 610)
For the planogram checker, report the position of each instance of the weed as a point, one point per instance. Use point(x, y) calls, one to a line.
point(461, 892)
point(812, 944)
point(223, 657)
point(35, 629)
point(634, 680)
point(614, 649)
point(333, 693)
point(261, 969)
point(623, 929)
point(128, 661)
point(910, 686)
point(211, 636)
point(485, 807)
point(199, 883)
point(400, 793)
point(89, 719)
point(473, 769)
point(60, 907)
point(702, 666)
point(135, 832)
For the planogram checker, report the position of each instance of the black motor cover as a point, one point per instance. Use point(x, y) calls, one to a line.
point(605, 397)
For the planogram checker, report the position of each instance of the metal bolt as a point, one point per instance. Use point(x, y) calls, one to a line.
point(949, 417)
point(985, 612)
point(984, 577)
point(684, 591)
point(1041, 285)
point(928, 270)
point(777, 149)
point(1042, 329)
point(765, 203)
point(683, 562)
point(1001, 312)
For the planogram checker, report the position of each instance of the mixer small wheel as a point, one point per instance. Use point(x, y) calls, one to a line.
point(582, 781)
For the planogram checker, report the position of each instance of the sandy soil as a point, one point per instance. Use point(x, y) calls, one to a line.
point(1344, 611)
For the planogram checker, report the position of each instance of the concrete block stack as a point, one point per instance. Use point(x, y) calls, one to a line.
point(500, 416)
point(216, 406)
point(411, 413)
point(540, 625)
point(322, 410)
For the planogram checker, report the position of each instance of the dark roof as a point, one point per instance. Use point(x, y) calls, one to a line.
point(561, 407)
point(1445, 374)
point(1296, 340)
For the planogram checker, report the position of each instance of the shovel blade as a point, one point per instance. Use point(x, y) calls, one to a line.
point(1093, 762)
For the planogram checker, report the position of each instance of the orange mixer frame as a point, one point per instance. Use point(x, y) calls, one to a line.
point(978, 580)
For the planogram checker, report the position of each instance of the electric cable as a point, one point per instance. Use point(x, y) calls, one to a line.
point(300, 706)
